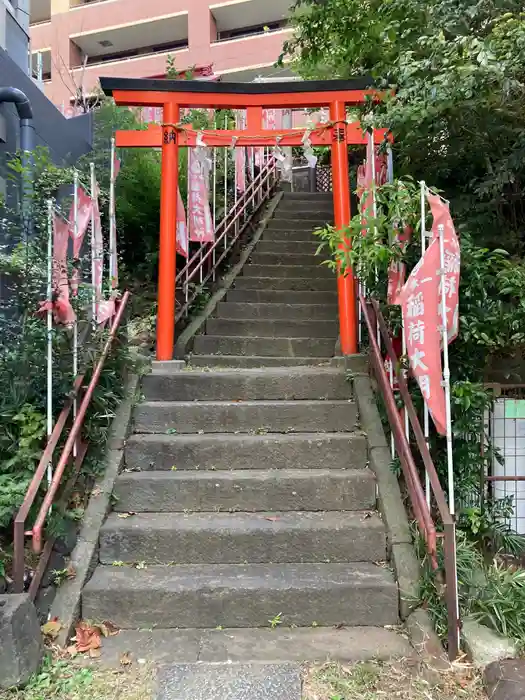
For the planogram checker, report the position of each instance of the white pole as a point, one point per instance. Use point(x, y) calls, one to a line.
point(225, 181)
point(426, 421)
point(214, 179)
point(93, 289)
point(446, 371)
point(50, 212)
point(75, 326)
point(112, 227)
point(390, 177)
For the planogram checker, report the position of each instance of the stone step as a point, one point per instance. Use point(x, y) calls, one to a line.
point(276, 297)
point(252, 361)
point(318, 216)
point(243, 452)
point(307, 259)
point(236, 538)
point(283, 310)
point(266, 328)
point(245, 490)
point(290, 234)
point(283, 347)
point(281, 247)
point(308, 196)
point(305, 205)
point(299, 225)
point(250, 384)
point(294, 271)
point(229, 646)
point(201, 596)
point(297, 284)
point(245, 416)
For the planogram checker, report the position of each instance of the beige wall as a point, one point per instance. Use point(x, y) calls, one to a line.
point(65, 23)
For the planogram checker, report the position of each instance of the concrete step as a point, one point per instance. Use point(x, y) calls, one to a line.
point(276, 297)
point(250, 384)
point(310, 271)
point(242, 452)
point(201, 596)
point(245, 416)
point(235, 538)
point(307, 259)
point(245, 490)
point(297, 284)
point(308, 196)
point(283, 644)
point(276, 311)
point(252, 361)
point(288, 247)
point(290, 234)
point(282, 347)
point(305, 205)
point(318, 216)
point(266, 328)
point(299, 225)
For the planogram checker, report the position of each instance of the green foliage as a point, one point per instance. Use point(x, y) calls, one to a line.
point(493, 593)
point(23, 351)
point(137, 190)
point(454, 77)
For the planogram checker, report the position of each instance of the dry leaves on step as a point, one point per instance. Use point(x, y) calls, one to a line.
point(125, 515)
point(125, 659)
point(88, 637)
point(51, 629)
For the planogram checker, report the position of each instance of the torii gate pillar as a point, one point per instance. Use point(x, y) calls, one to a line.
point(341, 191)
point(168, 234)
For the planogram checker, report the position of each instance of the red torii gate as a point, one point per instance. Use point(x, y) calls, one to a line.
point(172, 95)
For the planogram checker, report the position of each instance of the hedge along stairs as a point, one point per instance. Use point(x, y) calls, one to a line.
point(244, 524)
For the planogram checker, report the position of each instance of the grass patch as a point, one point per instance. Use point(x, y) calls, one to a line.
point(67, 680)
point(403, 680)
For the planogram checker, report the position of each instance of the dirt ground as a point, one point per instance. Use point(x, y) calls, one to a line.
point(403, 680)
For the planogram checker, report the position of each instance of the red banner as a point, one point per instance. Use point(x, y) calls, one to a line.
point(84, 209)
point(200, 220)
point(452, 260)
point(97, 252)
point(240, 155)
point(397, 269)
point(182, 228)
point(420, 302)
point(60, 305)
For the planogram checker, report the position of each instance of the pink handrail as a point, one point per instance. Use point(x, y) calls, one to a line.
point(72, 440)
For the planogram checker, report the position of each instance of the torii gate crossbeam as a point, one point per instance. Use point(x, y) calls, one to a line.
point(172, 95)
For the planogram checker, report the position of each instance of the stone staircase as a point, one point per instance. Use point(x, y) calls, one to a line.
point(246, 502)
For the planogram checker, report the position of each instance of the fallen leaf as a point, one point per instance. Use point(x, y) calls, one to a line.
point(125, 515)
point(87, 637)
point(340, 626)
point(174, 468)
point(71, 572)
point(111, 629)
point(140, 565)
point(94, 653)
point(272, 518)
point(51, 629)
point(96, 491)
point(125, 659)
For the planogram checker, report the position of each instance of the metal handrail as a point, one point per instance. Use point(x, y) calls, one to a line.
point(67, 451)
point(196, 263)
point(375, 321)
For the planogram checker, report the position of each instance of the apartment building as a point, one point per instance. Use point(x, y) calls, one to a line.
point(65, 139)
point(73, 42)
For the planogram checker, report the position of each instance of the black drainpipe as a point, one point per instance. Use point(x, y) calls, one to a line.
point(27, 144)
